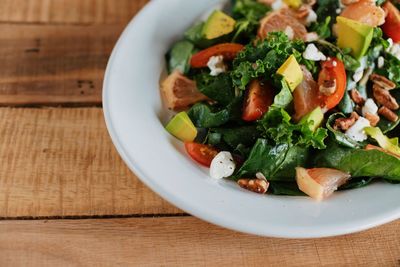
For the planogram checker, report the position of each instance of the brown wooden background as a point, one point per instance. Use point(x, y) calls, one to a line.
point(66, 198)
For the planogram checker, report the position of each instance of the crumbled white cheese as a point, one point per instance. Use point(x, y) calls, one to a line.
point(334, 63)
point(216, 65)
point(312, 53)
point(289, 32)
point(338, 11)
point(369, 107)
point(311, 37)
point(351, 84)
point(359, 72)
point(381, 62)
point(390, 40)
point(260, 176)
point(222, 165)
point(395, 50)
point(356, 132)
point(277, 4)
point(312, 17)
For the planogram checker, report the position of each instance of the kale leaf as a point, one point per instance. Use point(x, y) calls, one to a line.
point(218, 88)
point(276, 125)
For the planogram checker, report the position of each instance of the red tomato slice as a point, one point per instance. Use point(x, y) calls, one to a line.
point(258, 100)
point(227, 50)
point(392, 22)
point(203, 154)
point(333, 69)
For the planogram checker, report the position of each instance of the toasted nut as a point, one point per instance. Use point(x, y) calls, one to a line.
point(384, 97)
point(328, 87)
point(382, 81)
point(259, 186)
point(388, 114)
point(345, 123)
point(357, 97)
point(373, 118)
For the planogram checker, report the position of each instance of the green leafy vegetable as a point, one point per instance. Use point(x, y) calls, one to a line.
point(327, 8)
point(378, 44)
point(357, 183)
point(284, 97)
point(179, 56)
point(218, 88)
point(338, 136)
point(265, 58)
point(245, 135)
point(276, 125)
point(359, 162)
point(391, 69)
point(322, 28)
point(284, 188)
point(205, 116)
point(350, 63)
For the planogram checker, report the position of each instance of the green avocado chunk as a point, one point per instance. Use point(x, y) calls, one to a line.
point(316, 116)
point(355, 35)
point(182, 127)
point(218, 24)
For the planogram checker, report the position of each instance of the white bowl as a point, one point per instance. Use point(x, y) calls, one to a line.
point(134, 115)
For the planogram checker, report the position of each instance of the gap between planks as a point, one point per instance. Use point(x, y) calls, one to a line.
point(58, 162)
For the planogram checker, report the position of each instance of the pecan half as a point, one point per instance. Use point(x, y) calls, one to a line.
point(357, 97)
point(382, 81)
point(384, 97)
point(373, 118)
point(388, 114)
point(259, 186)
point(345, 123)
point(328, 87)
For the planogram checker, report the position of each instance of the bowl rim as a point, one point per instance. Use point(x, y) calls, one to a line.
point(205, 215)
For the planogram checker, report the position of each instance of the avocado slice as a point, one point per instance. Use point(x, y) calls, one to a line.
point(316, 116)
point(355, 35)
point(291, 72)
point(218, 24)
point(182, 127)
point(383, 141)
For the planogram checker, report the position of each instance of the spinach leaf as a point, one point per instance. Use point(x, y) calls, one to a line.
point(327, 8)
point(276, 125)
point(378, 44)
point(357, 183)
point(252, 10)
point(384, 124)
point(337, 135)
point(346, 105)
point(218, 88)
point(195, 34)
point(263, 158)
point(295, 157)
point(245, 135)
point(322, 28)
point(179, 55)
point(359, 162)
point(284, 188)
point(206, 116)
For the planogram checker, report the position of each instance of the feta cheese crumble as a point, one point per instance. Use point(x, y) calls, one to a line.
point(311, 37)
point(356, 132)
point(277, 4)
point(359, 73)
point(369, 107)
point(222, 165)
point(216, 65)
point(312, 53)
point(381, 62)
point(312, 17)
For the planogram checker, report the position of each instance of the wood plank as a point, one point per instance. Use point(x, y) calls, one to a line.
point(60, 162)
point(183, 241)
point(54, 65)
point(69, 11)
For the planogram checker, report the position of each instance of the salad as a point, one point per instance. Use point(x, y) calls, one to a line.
point(290, 97)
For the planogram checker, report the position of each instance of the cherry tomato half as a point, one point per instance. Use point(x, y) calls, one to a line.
point(332, 69)
point(202, 154)
point(392, 22)
point(227, 50)
point(260, 97)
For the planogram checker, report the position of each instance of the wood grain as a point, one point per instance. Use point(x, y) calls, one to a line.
point(183, 241)
point(60, 162)
point(54, 65)
point(69, 11)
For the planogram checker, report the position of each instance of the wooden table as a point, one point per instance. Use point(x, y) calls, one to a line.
point(66, 198)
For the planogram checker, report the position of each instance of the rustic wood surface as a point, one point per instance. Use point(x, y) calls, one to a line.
point(57, 162)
